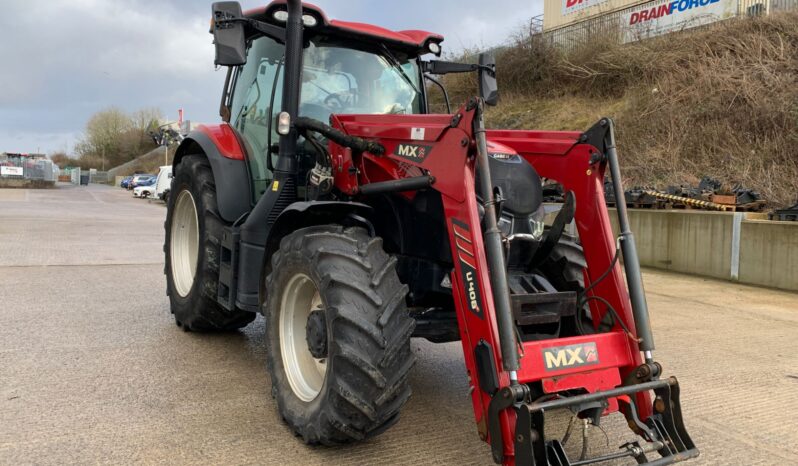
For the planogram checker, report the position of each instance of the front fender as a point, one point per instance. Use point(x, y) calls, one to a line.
point(259, 241)
point(305, 214)
point(226, 156)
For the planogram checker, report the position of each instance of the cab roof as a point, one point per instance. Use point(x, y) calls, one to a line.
point(412, 41)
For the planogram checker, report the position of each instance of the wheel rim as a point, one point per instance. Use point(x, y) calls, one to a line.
point(184, 243)
point(304, 372)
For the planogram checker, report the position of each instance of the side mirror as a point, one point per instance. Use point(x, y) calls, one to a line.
point(228, 34)
point(488, 87)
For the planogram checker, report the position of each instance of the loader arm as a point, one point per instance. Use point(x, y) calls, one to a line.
point(605, 368)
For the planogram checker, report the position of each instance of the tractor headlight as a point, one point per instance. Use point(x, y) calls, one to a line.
point(309, 21)
point(281, 15)
point(283, 123)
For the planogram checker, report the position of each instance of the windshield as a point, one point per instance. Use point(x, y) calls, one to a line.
point(336, 79)
point(339, 79)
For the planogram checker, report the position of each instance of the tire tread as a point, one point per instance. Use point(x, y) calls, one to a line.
point(369, 344)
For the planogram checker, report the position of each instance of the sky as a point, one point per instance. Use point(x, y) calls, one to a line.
point(64, 60)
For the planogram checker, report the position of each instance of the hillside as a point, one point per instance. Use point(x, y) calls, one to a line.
point(147, 163)
point(720, 101)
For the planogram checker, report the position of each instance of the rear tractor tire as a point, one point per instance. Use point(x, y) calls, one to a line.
point(193, 235)
point(338, 335)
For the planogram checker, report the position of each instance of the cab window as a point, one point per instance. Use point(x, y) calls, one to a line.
point(251, 109)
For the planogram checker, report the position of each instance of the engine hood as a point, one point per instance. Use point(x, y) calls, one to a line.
point(499, 150)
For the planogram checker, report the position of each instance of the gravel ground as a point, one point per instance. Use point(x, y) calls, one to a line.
point(93, 369)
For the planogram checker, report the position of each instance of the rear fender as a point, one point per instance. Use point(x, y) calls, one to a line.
point(226, 156)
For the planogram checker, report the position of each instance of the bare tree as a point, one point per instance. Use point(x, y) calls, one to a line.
point(104, 133)
point(113, 137)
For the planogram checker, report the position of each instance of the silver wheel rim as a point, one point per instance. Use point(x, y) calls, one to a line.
point(304, 372)
point(184, 244)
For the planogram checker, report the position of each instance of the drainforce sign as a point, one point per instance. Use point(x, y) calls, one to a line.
point(657, 18)
point(572, 6)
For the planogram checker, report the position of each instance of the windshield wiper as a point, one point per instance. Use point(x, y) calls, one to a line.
point(394, 62)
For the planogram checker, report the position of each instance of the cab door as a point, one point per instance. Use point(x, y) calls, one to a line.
point(256, 101)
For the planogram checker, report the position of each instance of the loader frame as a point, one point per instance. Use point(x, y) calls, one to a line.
point(623, 373)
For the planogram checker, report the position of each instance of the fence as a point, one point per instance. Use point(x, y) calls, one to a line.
point(633, 23)
point(84, 177)
point(26, 168)
point(100, 177)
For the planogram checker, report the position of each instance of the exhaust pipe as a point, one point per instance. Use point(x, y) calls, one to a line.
point(286, 162)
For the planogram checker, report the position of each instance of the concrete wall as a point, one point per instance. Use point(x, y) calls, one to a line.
point(717, 244)
point(769, 253)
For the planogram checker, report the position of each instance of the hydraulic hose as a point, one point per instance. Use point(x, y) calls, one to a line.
point(339, 137)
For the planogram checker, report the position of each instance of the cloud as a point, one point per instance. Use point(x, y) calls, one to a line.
point(73, 58)
point(67, 59)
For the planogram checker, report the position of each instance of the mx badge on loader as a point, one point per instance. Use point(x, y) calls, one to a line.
point(331, 201)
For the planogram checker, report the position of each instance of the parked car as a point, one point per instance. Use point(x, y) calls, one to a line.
point(128, 181)
point(145, 188)
point(163, 183)
point(139, 180)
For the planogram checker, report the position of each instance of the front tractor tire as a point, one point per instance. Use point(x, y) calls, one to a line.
point(338, 335)
point(565, 269)
point(193, 235)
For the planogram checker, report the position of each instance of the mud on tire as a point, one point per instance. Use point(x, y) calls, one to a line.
point(197, 309)
point(368, 355)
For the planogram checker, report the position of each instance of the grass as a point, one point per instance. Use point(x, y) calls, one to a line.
point(719, 101)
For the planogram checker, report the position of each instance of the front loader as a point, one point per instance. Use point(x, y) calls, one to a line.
point(331, 201)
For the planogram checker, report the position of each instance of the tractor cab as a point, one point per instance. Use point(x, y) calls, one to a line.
point(347, 68)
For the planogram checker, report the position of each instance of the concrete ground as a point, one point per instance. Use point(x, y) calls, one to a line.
point(93, 369)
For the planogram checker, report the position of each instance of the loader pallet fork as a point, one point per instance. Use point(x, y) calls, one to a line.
point(353, 219)
point(664, 430)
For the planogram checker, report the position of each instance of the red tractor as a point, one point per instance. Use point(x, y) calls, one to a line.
point(332, 202)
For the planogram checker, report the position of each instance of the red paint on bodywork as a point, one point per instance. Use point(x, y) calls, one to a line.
point(414, 39)
point(225, 139)
point(613, 351)
point(592, 382)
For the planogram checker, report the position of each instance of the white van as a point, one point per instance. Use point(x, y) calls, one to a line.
point(163, 183)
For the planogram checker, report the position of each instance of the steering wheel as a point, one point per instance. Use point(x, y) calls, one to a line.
point(335, 101)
